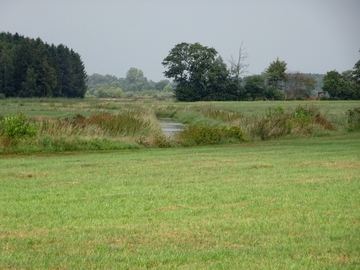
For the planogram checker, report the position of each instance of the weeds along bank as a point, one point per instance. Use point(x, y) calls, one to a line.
point(55, 125)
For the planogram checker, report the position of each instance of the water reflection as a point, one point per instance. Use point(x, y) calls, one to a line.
point(169, 126)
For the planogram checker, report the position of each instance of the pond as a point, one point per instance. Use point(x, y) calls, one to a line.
point(169, 126)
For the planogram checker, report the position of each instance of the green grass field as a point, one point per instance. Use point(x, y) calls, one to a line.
point(280, 204)
point(292, 202)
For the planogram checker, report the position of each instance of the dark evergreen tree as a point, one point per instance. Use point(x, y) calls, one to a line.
point(78, 76)
point(6, 71)
point(32, 68)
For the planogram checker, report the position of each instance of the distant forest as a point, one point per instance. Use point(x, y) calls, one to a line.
point(133, 85)
point(136, 84)
point(32, 68)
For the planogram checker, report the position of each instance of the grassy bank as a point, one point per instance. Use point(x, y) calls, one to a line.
point(276, 204)
point(94, 124)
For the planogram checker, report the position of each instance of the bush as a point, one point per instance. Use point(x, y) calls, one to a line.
point(302, 120)
point(16, 127)
point(13, 129)
point(353, 119)
point(273, 125)
point(207, 134)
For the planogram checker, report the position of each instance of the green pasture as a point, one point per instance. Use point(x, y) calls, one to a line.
point(278, 204)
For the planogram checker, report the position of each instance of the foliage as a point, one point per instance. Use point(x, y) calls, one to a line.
point(255, 87)
point(275, 74)
point(345, 85)
point(354, 118)
point(298, 86)
point(13, 129)
point(90, 124)
point(273, 94)
point(134, 85)
point(301, 120)
point(17, 127)
point(318, 78)
point(274, 124)
point(111, 92)
point(356, 73)
point(135, 80)
point(199, 73)
point(129, 123)
point(340, 86)
point(32, 68)
point(207, 134)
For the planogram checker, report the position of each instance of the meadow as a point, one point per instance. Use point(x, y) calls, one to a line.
point(286, 202)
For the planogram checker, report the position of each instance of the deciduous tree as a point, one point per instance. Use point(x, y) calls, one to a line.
point(340, 86)
point(275, 74)
point(255, 87)
point(238, 67)
point(298, 85)
point(199, 73)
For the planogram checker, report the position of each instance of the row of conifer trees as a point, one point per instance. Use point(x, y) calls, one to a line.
point(32, 68)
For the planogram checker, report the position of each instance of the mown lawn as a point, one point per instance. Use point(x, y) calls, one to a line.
point(280, 204)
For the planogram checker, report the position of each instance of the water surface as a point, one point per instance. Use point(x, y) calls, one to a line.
point(169, 126)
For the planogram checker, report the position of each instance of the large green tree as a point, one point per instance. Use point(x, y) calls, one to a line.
point(135, 80)
point(340, 86)
point(199, 73)
point(255, 87)
point(276, 74)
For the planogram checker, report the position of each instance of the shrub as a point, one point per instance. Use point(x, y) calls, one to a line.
point(302, 119)
point(277, 122)
point(16, 127)
point(273, 125)
point(13, 129)
point(207, 134)
point(353, 119)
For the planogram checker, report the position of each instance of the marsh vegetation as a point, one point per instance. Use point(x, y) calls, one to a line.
point(68, 125)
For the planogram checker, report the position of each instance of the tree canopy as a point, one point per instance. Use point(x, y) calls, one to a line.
point(276, 74)
point(199, 73)
point(341, 86)
point(32, 68)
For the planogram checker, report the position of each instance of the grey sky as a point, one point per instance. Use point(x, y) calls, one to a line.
point(312, 36)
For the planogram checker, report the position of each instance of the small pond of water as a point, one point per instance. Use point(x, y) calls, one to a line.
point(170, 127)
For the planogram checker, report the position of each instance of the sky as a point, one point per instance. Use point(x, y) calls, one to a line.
point(311, 36)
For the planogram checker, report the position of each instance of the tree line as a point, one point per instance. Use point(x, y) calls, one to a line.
point(345, 85)
point(200, 74)
point(134, 84)
point(32, 68)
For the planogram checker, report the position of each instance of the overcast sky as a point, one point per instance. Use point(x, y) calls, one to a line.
point(311, 36)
